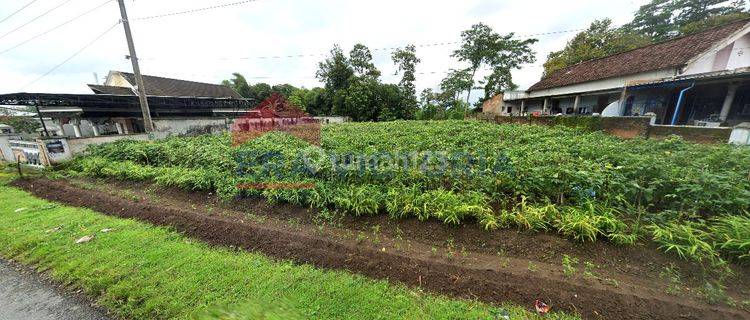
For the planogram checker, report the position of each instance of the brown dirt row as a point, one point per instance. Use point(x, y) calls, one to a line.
point(475, 277)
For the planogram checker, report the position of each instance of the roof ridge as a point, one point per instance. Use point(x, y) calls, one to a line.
point(146, 75)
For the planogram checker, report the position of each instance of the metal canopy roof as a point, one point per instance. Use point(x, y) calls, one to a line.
point(106, 105)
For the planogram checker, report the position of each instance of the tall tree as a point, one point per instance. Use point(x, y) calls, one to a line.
point(663, 19)
point(599, 40)
point(481, 46)
point(406, 61)
point(335, 71)
point(361, 60)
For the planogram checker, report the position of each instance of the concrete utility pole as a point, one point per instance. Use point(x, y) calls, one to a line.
point(147, 124)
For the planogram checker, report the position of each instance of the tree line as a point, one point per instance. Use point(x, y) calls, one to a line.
point(352, 85)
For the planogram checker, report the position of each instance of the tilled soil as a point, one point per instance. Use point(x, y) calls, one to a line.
point(461, 262)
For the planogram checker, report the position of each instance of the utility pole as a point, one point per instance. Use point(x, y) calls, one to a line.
point(147, 124)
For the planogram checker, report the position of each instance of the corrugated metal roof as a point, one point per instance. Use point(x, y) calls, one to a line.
point(167, 87)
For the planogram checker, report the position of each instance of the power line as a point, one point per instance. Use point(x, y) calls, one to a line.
point(17, 11)
point(56, 27)
point(305, 55)
point(72, 56)
point(195, 10)
point(39, 16)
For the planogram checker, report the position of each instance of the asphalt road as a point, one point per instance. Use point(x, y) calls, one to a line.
point(25, 295)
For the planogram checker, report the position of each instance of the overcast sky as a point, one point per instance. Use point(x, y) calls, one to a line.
point(208, 46)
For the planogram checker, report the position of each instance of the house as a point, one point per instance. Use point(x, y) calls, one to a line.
point(699, 79)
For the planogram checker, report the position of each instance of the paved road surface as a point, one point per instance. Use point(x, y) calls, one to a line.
point(24, 295)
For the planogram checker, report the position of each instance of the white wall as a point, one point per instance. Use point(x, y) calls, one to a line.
point(605, 84)
point(185, 126)
point(332, 120)
point(116, 79)
point(740, 55)
point(733, 54)
point(5, 151)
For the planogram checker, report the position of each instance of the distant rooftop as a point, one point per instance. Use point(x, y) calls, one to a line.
point(160, 86)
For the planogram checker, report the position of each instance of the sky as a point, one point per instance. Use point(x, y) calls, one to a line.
point(207, 46)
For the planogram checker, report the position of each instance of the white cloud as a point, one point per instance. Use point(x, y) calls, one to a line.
point(204, 46)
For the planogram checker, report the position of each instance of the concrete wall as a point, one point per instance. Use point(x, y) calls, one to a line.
point(740, 135)
point(494, 105)
point(194, 126)
point(332, 119)
point(79, 145)
point(75, 146)
point(691, 133)
point(732, 55)
point(740, 55)
point(5, 152)
point(624, 127)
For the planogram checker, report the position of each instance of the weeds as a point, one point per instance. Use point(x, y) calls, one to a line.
point(672, 275)
point(569, 265)
point(533, 267)
point(714, 292)
point(542, 179)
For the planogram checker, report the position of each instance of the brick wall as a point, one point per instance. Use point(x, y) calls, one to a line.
point(691, 133)
point(624, 127)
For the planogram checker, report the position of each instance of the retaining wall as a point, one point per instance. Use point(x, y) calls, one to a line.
point(624, 127)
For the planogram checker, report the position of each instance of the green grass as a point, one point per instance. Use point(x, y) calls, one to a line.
point(586, 186)
point(141, 271)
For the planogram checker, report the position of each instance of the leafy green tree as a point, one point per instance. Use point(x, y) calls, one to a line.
point(406, 61)
point(599, 40)
point(257, 92)
point(361, 60)
point(313, 101)
point(260, 91)
point(367, 99)
point(482, 46)
point(239, 84)
point(663, 19)
point(456, 82)
point(335, 71)
point(284, 90)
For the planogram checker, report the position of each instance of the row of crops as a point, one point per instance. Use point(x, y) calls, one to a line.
point(691, 199)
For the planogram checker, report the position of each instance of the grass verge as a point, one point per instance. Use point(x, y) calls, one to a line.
point(136, 270)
